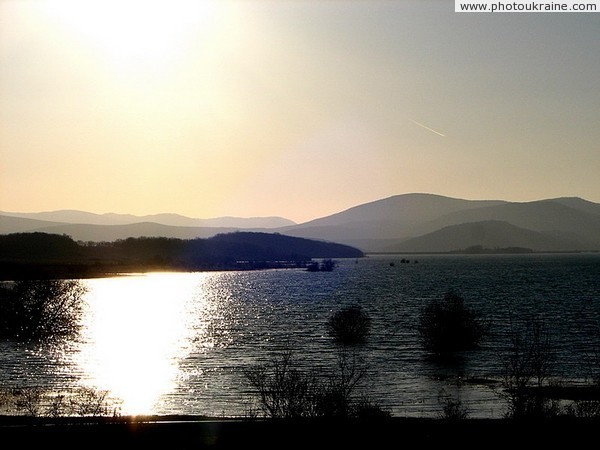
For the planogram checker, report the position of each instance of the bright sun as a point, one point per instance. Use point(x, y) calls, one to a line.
point(134, 33)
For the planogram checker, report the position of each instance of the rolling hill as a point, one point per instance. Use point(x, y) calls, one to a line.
point(401, 223)
point(176, 220)
point(393, 223)
point(394, 217)
point(491, 234)
point(84, 226)
point(42, 255)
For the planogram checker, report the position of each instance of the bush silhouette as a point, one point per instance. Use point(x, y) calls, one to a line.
point(449, 325)
point(527, 364)
point(37, 401)
point(285, 391)
point(349, 326)
point(40, 309)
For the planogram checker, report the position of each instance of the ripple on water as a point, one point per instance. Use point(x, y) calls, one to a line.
point(176, 343)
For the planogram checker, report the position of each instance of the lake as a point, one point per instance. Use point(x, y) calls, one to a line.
point(176, 343)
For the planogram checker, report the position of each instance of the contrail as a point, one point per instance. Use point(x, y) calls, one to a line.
point(427, 128)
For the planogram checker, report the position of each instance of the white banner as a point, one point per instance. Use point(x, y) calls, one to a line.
point(526, 6)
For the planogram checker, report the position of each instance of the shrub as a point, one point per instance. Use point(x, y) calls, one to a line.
point(335, 396)
point(364, 408)
point(453, 409)
point(527, 364)
point(89, 402)
point(35, 401)
point(449, 325)
point(283, 390)
point(29, 400)
point(584, 408)
point(349, 326)
point(40, 309)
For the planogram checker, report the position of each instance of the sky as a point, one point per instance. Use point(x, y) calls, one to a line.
point(291, 108)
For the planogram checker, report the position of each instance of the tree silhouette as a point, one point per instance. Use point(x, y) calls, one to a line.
point(449, 325)
point(40, 309)
point(350, 325)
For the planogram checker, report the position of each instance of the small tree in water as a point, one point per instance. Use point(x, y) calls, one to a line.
point(528, 363)
point(349, 326)
point(40, 309)
point(449, 325)
point(284, 390)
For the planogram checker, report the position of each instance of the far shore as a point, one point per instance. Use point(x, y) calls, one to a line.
point(17, 270)
point(14, 272)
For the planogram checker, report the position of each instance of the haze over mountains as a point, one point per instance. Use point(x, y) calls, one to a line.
point(82, 217)
point(85, 226)
point(402, 223)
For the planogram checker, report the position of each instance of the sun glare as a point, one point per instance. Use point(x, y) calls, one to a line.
point(138, 328)
point(133, 34)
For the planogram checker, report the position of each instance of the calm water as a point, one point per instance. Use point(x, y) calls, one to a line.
point(173, 343)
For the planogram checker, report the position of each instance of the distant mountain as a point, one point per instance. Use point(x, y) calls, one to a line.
point(542, 215)
point(109, 233)
point(394, 217)
point(398, 223)
point(10, 224)
point(579, 204)
point(393, 223)
point(490, 234)
point(246, 223)
point(82, 217)
point(84, 226)
point(74, 216)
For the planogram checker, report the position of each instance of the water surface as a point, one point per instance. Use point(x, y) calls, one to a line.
point(176, 343)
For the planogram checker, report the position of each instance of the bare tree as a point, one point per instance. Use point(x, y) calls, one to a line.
point(286, 391)
point(29, 400)
point(37, 401)
point(527, 365)
point(336, 396)
point(41, 309)
point(89, 402)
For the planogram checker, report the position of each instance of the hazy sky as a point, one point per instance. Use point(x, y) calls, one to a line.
point(291, 108)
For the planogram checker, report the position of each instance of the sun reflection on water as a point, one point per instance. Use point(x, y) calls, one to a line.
point(137, 329)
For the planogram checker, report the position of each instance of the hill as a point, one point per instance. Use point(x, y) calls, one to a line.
point(41, 255)
point(394, 217)
point(566, 223)
point(98, 232)
point(176, 220)
point(492, 234)
point(394, 223)
point(547, 216)
point(9, 224)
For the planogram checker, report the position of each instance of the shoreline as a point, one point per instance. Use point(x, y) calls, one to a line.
point(209, 432)
point(13, 270)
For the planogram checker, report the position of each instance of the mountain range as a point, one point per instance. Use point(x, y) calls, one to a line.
point(176, 220)
point(401, 223)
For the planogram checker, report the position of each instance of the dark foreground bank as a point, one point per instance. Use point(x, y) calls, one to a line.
point(179, 432)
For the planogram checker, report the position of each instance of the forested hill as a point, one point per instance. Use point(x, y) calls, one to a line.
point(39, 254)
